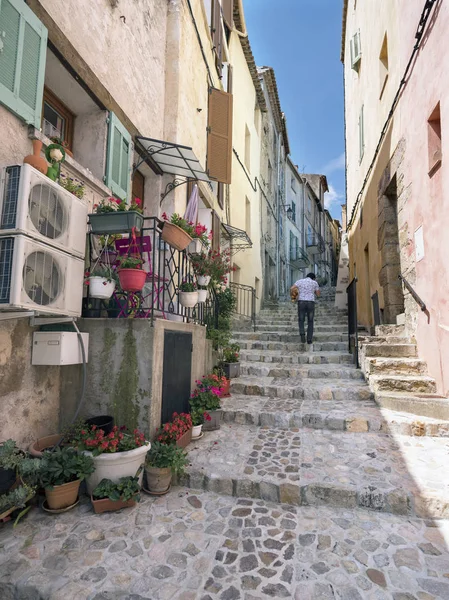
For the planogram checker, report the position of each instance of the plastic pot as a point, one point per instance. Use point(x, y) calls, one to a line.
point(104, 422)
point(100, 287)
point(175, 236)
point(202, 295)
point(7, 479)
point(62, 496)
point(106, 505)
point(231, 370)
point(115, 222)
point(196, 431)
point(188, 299)
point(216, 417)
point(132, 280)
point(203, 280)
point(158, 480)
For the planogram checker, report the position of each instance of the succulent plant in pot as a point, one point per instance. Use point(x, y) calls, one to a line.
point(61, 473)
point(162, 462)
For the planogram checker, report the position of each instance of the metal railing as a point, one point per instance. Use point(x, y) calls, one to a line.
point(315, 243)
point(298, 257)
point(353, 337)
point(167, 268)
point(245, 296)
point(414, 295)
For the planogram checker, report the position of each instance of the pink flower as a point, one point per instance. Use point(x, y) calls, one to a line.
point(138, 201)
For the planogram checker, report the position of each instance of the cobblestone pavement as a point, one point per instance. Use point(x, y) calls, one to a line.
point(201, 546)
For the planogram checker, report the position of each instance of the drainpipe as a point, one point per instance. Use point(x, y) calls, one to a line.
point(278, 236)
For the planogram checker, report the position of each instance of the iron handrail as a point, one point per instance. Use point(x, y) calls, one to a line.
point(245, 296)
point(413, 294)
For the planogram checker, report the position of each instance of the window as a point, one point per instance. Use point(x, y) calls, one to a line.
point(293, 184)
point(309, 204)
point(434, 140)
point(57, 119)
point(23, 46)
point(356, 51)
point(217, 34)
point(383, 65)
point(361, 136)
point(228, 12)
point(247, 148)
point(248, 217)
point(294, 212)
point(118, 164)
point(220, 195)
point(309, 235)
point(219, 138)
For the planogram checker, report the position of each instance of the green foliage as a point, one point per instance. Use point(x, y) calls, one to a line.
point(16, 499)
point(187, 286)
point(231, 353)
point(131, 262)
point(163, 456)
point(204, 401)
point(226, 303)
point(219, 338)
point(64, 465)
point(106, 272)
point(199, 416)
point(73, 186)
point(11, 457)
point(127, 488)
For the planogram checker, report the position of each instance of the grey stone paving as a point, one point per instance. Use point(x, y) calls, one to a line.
point(200, 546)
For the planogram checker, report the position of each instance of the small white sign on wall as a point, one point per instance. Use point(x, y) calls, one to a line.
point(419, 244)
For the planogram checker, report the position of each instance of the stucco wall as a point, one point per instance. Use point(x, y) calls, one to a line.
point(29, 395)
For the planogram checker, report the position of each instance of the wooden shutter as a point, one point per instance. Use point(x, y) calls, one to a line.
point(230, 78)
point(216, 232)
point(217, 35)
point(23, 47)
point(228, 12)
point(219, 140)
point(118, 168)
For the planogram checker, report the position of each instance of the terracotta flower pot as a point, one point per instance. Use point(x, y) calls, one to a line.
point(36, 160)
point(37, 448)
point(132, 280)
point(62, 496)
point(158, 480)
point(175, 236)
point(185, 439)
point(226, 389)
point(106, 505)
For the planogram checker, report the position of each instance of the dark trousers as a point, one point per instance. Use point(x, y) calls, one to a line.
point(306, 307)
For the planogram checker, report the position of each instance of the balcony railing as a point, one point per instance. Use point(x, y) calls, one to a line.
point(315, 243)
point(166, 269)
point(298, 257)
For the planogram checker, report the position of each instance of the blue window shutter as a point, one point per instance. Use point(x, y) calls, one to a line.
point(23, 49)
point(118, 163)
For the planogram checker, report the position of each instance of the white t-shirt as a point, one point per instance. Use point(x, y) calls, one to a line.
point(307, 288)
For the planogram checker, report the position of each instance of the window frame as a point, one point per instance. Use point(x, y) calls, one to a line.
point(58, 106)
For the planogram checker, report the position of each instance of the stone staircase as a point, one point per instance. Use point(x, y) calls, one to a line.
point(303, 427)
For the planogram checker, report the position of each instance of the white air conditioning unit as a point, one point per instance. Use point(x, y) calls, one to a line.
point(34, 276)
point(33, 204)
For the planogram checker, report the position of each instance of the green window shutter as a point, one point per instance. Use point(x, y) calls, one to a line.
point(118, 164)
point(23, 49)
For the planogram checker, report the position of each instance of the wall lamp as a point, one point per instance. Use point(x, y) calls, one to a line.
point(289, 210)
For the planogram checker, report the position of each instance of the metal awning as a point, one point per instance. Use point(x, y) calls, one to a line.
point(238, 238)
point(171, 159)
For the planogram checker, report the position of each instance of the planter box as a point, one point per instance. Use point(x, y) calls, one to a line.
point(185, 439)
point(115, 465)
point(216, 417)
point(175, 236)
point(115, 222)
point(231, 370)
point(106, 505)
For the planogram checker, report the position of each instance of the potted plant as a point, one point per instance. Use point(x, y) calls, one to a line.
point(104, 422)
point(37, 448)
point(188, 294)
point(202, 267)
point(115, 495)
point(200, 238)
point(231, 364)
point(112, 215)
point(206, 398)
point(61, 473)
point(202, 294)
point(74, 186)
point(178, 431)
point(15, 499)
point(10, 459)
point(199, 417)
point(176, 231)
point(101, 282)
point(162, 461)
point(131, 275)
point(115, 455)
point(63, 143)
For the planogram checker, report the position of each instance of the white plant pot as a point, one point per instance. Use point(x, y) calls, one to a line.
point(196, 431)
point(202, 295)
point(100, 287)
point(203, 280)
point(195, 247)
point(188, 299)
point(115, 465)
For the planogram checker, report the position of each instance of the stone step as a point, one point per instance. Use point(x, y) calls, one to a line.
point(391, 350)
point(279, 357)
point(307, 372)
point(288, 326)
point(392, 366)
point(419, 405)
point(321, 467)
point(287, 336)
point(402, 383)
point(387, 330)
point(386, 340)
point(294, 346)
point(353, 416)
point(296, 387)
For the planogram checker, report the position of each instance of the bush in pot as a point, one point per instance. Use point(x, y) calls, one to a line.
point(116, 454)
point(162, 462)
point(199, 417)
point(231, 361)
point(114, 495)
point(60, 474)
point(131, 275)
point(206, 397)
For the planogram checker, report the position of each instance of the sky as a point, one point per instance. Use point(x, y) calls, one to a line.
point(301, 40)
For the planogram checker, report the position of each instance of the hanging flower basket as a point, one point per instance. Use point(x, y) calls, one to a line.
point(132, 280)
point(195, 246)
point(100, 287)
point(203, 280)
point(188, 299)
point(202, 295)
point(175, 236)
point(115, 222)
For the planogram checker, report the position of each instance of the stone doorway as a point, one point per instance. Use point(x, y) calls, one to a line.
point(388, 243)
